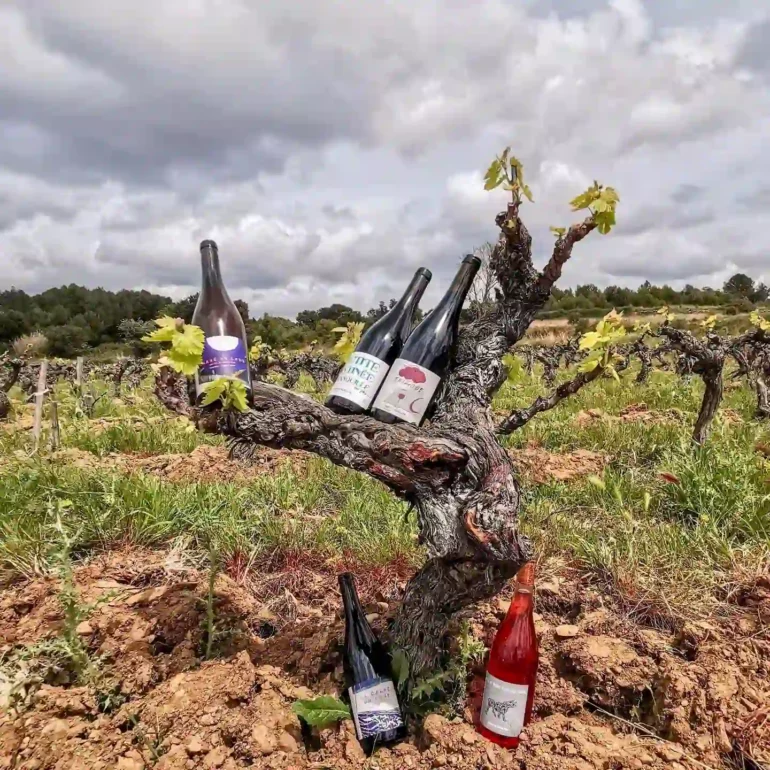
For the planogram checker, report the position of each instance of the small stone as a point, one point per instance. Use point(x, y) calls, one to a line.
point(208, 720)
point(669, 752)
point(56, 728)
point(490, 754)
point(128, 763)
point(440, 760)
point(194, 746)
point(503, 605)
point(549, 587)
point(263, 739)
point(724, 744)
point(371, 617)
point(469, 737)
point(287, 743)
point(567, 631)
point(383, 607)
point(353, 751)
point(216, 757)
point(84, 628)
point(433, 728)
point(34, 764)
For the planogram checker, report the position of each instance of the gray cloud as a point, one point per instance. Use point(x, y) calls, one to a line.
point(331, 148)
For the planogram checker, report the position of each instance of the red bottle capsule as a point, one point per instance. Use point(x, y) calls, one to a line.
point(510, 683)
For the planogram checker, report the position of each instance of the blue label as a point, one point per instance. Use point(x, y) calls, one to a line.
point(223, 356)
point(375, 707)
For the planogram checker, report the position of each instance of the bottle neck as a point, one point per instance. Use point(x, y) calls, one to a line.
point(413, 293)
point(452, 301)
point(523, 596)
point(355, 619)
point(212, 276)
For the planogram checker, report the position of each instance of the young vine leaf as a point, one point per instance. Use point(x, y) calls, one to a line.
point(186, 351)
point(322, 711)
point(231, 391)
point(558, 231)
point(601, 343)
point(350, 336)
point(668, 316)
point(601, 202)
point(709, 323)
point(260, 349)
point(761, 323)
point(508, 171)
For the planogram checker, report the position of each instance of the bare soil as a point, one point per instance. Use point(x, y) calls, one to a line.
point(611, 694)
point(639, 412)
point(539, 466)
point(206, 464)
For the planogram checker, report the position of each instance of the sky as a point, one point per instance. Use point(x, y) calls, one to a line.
point(332, 147)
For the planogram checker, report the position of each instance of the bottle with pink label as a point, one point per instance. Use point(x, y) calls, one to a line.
point(380, 345)
point(427, 357)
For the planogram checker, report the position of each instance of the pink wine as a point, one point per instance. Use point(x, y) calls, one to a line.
point(510, 684)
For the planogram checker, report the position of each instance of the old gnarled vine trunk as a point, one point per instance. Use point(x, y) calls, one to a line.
point(453, 470)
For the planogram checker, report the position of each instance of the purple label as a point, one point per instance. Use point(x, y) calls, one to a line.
point(223, 356)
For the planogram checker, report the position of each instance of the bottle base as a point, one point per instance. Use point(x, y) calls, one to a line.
point(340, 405)
point(507, 742)
point(385, 417)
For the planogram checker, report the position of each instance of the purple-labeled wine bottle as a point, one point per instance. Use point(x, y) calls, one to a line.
point(224, 349)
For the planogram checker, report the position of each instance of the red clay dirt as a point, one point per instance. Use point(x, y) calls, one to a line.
point(539, 466)
point(206, 464)
point(611, 694)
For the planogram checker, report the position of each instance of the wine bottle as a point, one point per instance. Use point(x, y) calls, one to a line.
point(380, 345)
point(427, 356)
point(366, 662)
point(510, 684)
point(224, 349)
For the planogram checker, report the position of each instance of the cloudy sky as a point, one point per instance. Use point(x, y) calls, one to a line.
point(333, 146)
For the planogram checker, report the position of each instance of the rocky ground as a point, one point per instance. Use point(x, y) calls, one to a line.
point(611, 694)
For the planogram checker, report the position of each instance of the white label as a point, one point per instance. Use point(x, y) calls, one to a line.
point(407, 391)
point(375, 708)
point(503, 707)
point(360, 379)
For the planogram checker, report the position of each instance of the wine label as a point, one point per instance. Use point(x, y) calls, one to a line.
point(360, 379)
point(375, 707)
point(223, 356)
point(407, 391)
point(503, 707)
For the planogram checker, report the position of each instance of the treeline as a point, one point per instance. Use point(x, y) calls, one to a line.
point(74, 319)
point(739, 294)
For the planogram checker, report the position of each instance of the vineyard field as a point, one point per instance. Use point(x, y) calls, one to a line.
point(164, 605)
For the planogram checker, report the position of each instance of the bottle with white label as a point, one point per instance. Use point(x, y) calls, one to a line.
point(427, 357)
point(373, 700)
point(380, 345)
point(224, 349)
point(512, 669)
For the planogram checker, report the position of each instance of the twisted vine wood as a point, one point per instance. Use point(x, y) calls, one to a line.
point(453, 471)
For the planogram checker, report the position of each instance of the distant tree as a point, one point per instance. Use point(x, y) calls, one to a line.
point(132, 331)
point(761, 293)
point(740, 284)
point(482, 295)
point(67, 341)
point(375, 313)
point(183, 309)
point(243, 309)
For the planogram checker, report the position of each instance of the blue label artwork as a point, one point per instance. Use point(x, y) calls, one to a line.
point(223, 356)
point(375, 707)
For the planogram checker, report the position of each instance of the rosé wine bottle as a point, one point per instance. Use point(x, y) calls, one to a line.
point(509, 690)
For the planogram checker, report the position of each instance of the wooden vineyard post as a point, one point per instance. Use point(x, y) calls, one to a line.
point(79, 375)
point(39, 398)
point(55, 432)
